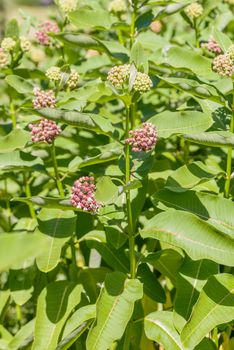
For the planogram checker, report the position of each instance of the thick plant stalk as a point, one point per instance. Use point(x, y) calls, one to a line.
point(229, 156)
point(28, 194)
point(58, 182)
point(131, 237)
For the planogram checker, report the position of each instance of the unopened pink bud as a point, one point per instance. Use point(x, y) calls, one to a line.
point(82, 196)
point(143, 139)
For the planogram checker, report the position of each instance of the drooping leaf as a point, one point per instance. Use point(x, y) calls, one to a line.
point(191, 279)
point(55, 303)
point(55, 228)
point(80, 120)
point(15, 248)
point(212, 138)
point(15, 140)
point(159, 327)
point(21, 85)
point(85, 18)
point(169, 123)
point(114, 309)
point(215, 306)
point(18, 160)
point(189, 176)
point(222, 39)
point(199, 239)
point(218, 211)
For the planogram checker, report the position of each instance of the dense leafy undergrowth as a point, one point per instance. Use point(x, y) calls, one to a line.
point(116, 144)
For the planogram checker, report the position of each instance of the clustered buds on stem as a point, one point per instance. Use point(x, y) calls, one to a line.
point(73, 79)
point(45, 130)
point(118, 75)
point(212, 46)
point(25, 44)
point(142, 83)
point(194, 10)
point(43, 99)
point(8, 44)
point(117, 6)
point(143, 139)
point(156, 26)
point(54, 74)
point(45, 28)
point(67, 5)
point(230, 52)
point(223, 65)
point(4, 59)
point(83, 192)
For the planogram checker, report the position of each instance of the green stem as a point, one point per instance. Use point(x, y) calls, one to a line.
point(29, 194)
point(196, 34)
point(131, 237)
point(13, 116)
point(229, 157)
point(18, 314)
point(58, 182)
point(133, 20)
point(8, 207)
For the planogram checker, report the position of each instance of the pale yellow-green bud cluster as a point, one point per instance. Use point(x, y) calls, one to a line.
point(73, 79)
point(230, 52)
point(54, 74)
point(117, 6)
point(119, 75)
point(8, 44)
point(194, 10)
point(67, 5)
point(142, 83)
point(231, 2)
point(37, 55)
point(25, 44)
point(4, 59)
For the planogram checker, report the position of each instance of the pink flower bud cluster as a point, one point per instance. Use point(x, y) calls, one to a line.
point(143, 139)
point(45, 28)
point(156, 26)
point(43, 99)
point(223, 65)
point(212, 46)
point(83, 194)
point(45, 130)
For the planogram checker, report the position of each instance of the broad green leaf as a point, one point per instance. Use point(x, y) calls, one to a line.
point(115, 236)
point(191, 279)
point(47, 202)
point(169, 123)
point(91, 279)
point(212, 138)
point(218, 211)
point(199, 239)
point(15, 248)
point(70, 339)
point(12, 29)
point(84, 18)
point(137, 54)
point(83, 40)
point(81, 315)
point(21, 85)
point(159, 328)
point(80, 120)
point(115, 258)
point(55, 228)
point(23, 337)
point(186, 60)
point(114, 310)
point(18, 160)
point(222, 39)
point(189, 176)
point(167, 261)
point(151, 285)
point(195, 88)
point(21, 284)
point(106, 191)
point(55, 304)
point(15, 140)
point(4, 297)
point(215, 306)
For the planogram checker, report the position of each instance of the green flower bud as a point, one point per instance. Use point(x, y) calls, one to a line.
point(194, 10)
point(54, 74)
point(67, 5)
point(117, 6)
point(25, 44)
point(8, 44)
point(73, 79)
point(142, 83)
point(119, 75)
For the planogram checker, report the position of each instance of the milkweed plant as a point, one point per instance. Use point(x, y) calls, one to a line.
point(116, 176)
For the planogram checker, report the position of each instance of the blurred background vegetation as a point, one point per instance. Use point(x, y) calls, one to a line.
point(10, 8)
